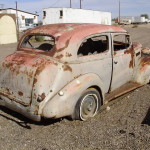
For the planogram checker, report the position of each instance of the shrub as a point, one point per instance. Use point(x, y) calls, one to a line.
point(134, 26)
point(39, 38)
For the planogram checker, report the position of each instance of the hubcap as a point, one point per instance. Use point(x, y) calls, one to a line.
point(89, 106)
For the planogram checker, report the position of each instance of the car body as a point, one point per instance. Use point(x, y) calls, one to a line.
point(71, 70)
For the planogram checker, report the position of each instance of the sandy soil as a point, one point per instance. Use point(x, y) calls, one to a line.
point(126, 126)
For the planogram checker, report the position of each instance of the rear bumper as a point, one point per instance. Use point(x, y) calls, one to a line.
point(17, 107)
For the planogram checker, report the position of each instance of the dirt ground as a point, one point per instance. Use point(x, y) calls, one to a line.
point(126, 126)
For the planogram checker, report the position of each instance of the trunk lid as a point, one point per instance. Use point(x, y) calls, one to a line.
point(17, 75)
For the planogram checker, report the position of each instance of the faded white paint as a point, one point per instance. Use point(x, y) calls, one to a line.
point(70, 15)
point(7, 30)
point(37, 84)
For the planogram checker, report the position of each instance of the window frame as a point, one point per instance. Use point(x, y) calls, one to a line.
point(97, 56)
point(29, 36)
point(61, 13)
point(123, 49)
point(44, 13)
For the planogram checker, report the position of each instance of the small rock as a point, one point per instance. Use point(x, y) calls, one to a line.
point(132, 134)
point(107, 108)
point(122, 131)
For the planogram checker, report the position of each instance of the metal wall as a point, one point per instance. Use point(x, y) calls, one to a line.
point(69, 15)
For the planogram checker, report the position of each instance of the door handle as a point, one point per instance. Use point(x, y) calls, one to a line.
point(115, 62)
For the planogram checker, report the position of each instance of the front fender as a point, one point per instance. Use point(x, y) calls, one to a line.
point(63, 103)
point(143, 72)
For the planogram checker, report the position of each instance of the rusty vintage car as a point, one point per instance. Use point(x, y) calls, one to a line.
point(71, 70)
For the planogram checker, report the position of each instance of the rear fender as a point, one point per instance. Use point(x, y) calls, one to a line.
point(63, 103)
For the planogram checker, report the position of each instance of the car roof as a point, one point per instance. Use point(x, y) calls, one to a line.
point(75, 28)
point(69, 35)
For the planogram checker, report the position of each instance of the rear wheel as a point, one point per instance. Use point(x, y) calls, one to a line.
point(88, 104)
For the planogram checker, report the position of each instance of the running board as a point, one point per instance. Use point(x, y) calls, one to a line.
point(130, 86)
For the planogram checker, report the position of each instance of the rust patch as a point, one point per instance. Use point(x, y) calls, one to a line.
point(68, 54)
point(55, 50)
point(66, 45)
point(122, 90)
point(20, 93)
point(35, 81)
point(14, 99)
point(59, 56)
point(131, 52)
point(57, 38)
point(115, 53)
point(56, 64)
point(146, 51)
point(40, 69)
point(136, 45)
point(42, 96)
point(67, 68)
point(145, 61)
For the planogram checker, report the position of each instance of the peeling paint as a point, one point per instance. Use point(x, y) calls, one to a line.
point(131, 52)
point(67, 68)
point(146, 51)
point(20, 93)
point(42, 96)
point(144, 63)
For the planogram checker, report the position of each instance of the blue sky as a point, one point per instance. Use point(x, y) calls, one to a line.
point(128, 7)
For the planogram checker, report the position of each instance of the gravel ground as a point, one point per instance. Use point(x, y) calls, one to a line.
point(126, 126)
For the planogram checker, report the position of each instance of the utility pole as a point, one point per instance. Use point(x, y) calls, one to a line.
point(70, 4)
point(2, 6)
point(80, 5)
point(17, 21)
point(119, 13)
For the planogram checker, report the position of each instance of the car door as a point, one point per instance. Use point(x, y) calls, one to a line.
point(94, 55)
point(123, 60)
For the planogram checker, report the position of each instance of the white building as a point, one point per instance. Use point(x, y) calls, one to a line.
point(25, 19)
point(71, 15)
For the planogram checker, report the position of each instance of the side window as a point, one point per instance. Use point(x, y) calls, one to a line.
point(121, 42)
point(61, 13)
point(44, 13)
point(94, 45)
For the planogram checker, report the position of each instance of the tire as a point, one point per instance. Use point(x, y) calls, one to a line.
point(88, 105)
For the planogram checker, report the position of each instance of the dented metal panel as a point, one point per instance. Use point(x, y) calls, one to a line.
point(48, 83)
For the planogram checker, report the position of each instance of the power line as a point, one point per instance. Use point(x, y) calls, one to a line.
point(119, 13)
point(54, 3)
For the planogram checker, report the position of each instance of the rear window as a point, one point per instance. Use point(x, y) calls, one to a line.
point(38, 42)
